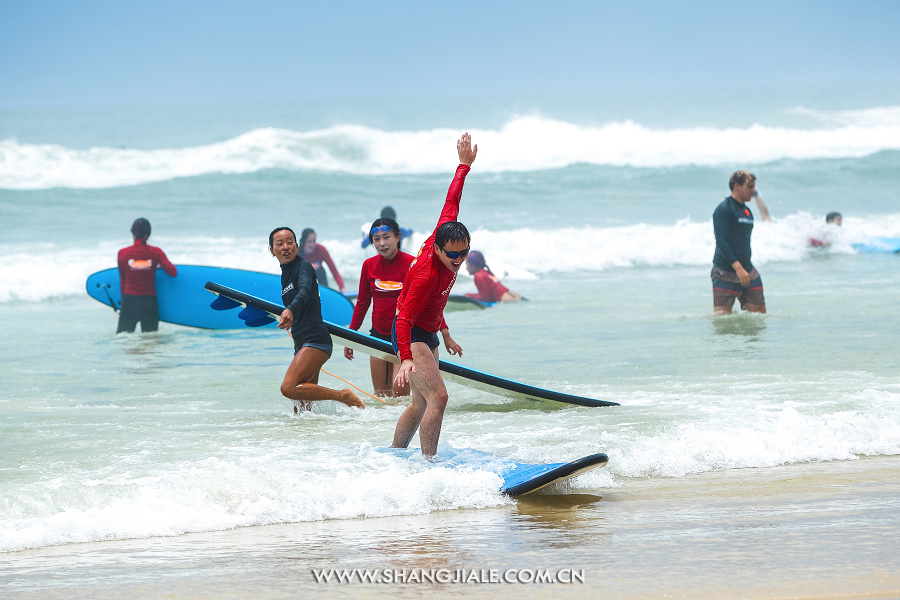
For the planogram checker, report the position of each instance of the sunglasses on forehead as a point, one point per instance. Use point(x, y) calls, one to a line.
point(382, 228)
point(452, 255)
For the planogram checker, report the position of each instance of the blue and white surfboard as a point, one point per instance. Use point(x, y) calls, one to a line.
point(183, 301)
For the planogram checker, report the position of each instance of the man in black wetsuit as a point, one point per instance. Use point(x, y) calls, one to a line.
point(733, 275)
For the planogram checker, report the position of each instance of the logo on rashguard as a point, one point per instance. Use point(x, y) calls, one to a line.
point(452, 281)
point(287, 289)
point(140, 264)
point(388, 286)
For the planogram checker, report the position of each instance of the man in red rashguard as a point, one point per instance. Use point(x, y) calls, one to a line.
point(137, 278)
point(420, 310)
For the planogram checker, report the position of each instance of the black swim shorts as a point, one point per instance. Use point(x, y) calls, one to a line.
point(138, 308)
point(381, 336)
point(416, 335)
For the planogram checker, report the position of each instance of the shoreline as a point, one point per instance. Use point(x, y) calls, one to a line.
point(809, 530)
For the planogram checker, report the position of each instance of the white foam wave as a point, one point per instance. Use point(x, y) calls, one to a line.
point(289, 482)
point(213, 494)
point(49, 271)
point(868, 117)
point(364, 150)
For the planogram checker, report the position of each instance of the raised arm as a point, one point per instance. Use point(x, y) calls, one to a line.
point(450, 211)
point(763, 210)
point(337, 276)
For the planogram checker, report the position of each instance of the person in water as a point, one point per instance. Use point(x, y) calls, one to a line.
point(733, 275)
point(420, 310)
point(137, 279)
point(302, 315)
point(832, 218)
point(316, 254)
point(380, 283)
point(489, 287)
point(387, 212)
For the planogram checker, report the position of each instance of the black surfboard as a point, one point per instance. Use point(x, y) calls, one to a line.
point(258, 312)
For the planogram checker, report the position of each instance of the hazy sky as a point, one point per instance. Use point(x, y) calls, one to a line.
point(58, 53)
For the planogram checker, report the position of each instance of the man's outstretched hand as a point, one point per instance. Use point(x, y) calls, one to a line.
point(466, 151)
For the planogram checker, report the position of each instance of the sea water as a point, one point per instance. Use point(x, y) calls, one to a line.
point(597, 211)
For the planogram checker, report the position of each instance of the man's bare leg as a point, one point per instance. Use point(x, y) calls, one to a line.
point(302, 378)
point(429, 399)
point(722, 306)
point(757, 308)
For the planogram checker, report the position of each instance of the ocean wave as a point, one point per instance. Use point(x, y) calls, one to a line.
point(525, 143)
point(47, 270)
point(286, 481)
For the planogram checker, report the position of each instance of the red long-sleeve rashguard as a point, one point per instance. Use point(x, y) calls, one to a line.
point(489, 287)
point(380, 283)
point(137, 268)
point(428, 283)
point(320, 255)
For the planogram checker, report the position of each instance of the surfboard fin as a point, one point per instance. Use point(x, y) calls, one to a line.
point(223, 303)
point(255, 317)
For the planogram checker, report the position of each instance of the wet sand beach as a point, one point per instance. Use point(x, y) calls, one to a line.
point(820, 530)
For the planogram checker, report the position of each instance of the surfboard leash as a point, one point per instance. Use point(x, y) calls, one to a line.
point(353, 386)
point(342, 379)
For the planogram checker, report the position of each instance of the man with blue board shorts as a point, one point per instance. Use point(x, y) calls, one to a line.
point(733, 275)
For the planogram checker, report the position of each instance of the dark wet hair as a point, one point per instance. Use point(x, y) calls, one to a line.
point(832, 216)
point(388, 213)
point(305, 234)
point(476, 259)
point(384, 221)
point(276, 230)
point(141, 228)
point(451, 231)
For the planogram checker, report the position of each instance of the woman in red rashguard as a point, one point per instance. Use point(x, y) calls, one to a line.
point(380, 283)
point(137, 278)
point(489, 287)
point(317, 254)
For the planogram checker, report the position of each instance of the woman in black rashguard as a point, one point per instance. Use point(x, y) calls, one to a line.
point(303, 316)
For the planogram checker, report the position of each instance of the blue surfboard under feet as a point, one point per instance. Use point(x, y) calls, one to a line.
point(518, 478)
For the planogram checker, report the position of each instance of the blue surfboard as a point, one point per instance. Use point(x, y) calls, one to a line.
point(518, 478)
point(257, 311)
point(878, 245)
point(183, 301)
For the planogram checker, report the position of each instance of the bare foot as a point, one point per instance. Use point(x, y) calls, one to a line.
point(351, 399)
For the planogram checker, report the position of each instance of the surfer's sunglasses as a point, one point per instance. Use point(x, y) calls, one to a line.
point(452, 255)
point(382, 228)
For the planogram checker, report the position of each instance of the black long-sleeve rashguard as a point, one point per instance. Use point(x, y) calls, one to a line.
point(733, 224)
point(300, 294)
